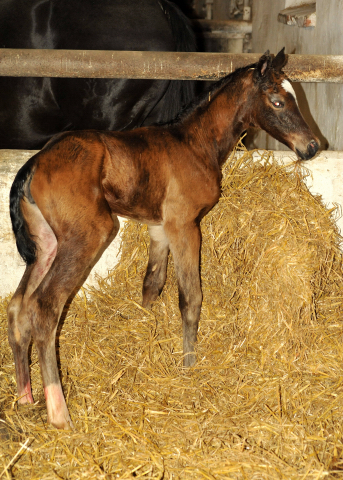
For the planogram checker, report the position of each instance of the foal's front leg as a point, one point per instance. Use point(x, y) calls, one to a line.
point(156, 273)
point(185, 248)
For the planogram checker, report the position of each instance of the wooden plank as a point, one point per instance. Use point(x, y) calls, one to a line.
point(156, 65)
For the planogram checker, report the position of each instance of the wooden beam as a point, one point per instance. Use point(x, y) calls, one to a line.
point(156, 65)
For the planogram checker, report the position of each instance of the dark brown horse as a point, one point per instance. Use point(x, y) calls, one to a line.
point(65, 201)
point(33, 109)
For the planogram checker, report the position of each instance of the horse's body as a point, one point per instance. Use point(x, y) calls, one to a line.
point(32, 110)
point(65, 199)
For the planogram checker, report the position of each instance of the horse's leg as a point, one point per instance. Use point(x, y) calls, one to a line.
point(19, 322)
point(48, 283)
point(156, 273)
point(184, 242)
point(47, 304)
point(19, 337)
point(74, 256)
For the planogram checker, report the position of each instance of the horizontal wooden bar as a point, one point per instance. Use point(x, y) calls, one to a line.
point(230, 26)
point(156, 65)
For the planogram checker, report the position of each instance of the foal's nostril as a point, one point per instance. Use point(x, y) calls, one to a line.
point(312, 148)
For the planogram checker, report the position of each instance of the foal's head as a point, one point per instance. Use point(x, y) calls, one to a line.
point(276, 109)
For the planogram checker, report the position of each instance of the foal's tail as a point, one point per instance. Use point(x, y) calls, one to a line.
point(179, 92)
point(25, 243)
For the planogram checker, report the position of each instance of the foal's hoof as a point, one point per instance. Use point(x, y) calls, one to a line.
point(61, 421)
point(62, 424)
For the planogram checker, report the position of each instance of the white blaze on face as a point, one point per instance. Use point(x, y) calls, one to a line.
point(288, 87)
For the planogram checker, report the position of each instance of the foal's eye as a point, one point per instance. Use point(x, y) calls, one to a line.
point(277, 104)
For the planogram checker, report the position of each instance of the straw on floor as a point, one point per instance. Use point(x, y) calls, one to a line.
point(265, 399)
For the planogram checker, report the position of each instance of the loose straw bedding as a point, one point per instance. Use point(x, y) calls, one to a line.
point(265, 399)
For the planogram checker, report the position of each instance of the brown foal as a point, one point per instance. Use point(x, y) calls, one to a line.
point(65, 201)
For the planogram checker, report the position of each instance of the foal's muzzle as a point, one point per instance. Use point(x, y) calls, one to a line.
point(312, 149)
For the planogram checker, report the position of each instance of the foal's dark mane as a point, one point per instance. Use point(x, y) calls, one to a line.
point(209, 92)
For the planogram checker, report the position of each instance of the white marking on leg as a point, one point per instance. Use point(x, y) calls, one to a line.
point(58, 414)
point(288, 87)
point(157, 234)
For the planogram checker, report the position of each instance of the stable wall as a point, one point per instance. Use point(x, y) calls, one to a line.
point(320, 103)
point(326, 179)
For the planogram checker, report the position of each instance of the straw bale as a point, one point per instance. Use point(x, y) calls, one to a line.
point(265, 399)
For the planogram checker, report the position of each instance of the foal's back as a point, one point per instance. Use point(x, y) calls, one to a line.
point(146, 174)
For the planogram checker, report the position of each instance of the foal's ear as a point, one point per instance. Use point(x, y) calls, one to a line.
point(280, 60)
point(263, 63)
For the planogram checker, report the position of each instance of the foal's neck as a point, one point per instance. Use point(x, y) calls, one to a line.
point(217, 122)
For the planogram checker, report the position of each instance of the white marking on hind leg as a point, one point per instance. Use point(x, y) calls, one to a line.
point(288, 87)
point(58, 414)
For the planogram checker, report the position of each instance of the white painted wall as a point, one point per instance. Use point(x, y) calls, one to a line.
point(320, 103)
point(295, 3)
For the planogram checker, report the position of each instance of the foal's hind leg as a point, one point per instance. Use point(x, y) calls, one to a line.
point(156, 273)
point(184, 244)
point(19, 321)
point(19, 337)
point(74, 256)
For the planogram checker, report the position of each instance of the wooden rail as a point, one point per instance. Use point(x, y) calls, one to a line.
point(156, 65)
